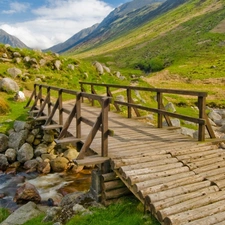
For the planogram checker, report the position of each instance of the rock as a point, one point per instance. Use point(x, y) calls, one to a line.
point(120, 98)
point(52, 214)
point(170, 107)
point(16, 54)
point(59, 164)
point(27, 192)
point(106, 69)
point(44, 167)
point(41, 149)
point(26, 59)
point(71, 154)
point(71, 67)
point(175, 123)
point(77, 208)
point(33, 61)
point(4, 55)
point(222, 128)
point(214, 116)
point(8, 85)
point(48, 137)
point(20, 125)
point(71, 199)
point(10, 155)
point(25, 153)
point(4, 140)
point(20, 97)
point(18, 60)
point(48, 156)
point(17, 139)
point(118, 74)
point(57, 64)
point(3, 162)
point(98, 67)
point(14, 72)
point(31, 165)
point(42, 62)
point(30, 138)
point(23, 214)
point(187, 131)
point(220, 122)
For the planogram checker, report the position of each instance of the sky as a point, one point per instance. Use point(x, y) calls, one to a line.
point(40, 24)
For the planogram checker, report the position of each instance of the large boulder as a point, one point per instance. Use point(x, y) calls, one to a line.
point(14, 72)
point(57, 64)
point(71, 154)
point(99, 67)
point(59, 164)
point(25, 153)
point(23, 214)
point(41, 149)
point(27, 192)
point(17, 139)
point(10, 154)
point(19, 97)
point(8, 85)
point(3, 162)
point(20, 125)
point(3, 142)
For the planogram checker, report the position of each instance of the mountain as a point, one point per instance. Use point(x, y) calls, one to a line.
point(6, 38)
point(62, 47)
point(121, 19)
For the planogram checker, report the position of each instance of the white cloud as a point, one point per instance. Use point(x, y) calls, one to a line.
point(16, 7)
point(57, 21)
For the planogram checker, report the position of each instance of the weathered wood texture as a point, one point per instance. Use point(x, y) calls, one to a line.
point(179, 179)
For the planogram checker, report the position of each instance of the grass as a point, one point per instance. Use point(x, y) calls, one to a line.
point(127, 212)
point(16, 112)
point(37, 221)
point(4, 213)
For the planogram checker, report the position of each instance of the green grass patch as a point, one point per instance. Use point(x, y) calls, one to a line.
point(38, 220)
point(127, 212)
point(4, 213)
point(16, 112)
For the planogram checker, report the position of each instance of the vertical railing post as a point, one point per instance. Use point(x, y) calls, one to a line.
point(108, 94)
point(201, 127)
point(60, 107)
point(78, 115)
point(40, 95)
point(82, 90)
point(105, 110)
point(160, 116)
point(129, 114)
point(93, 92)
point(49, 100)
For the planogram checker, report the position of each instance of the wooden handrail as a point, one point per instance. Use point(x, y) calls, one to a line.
point(101, 123)
point(202, 120)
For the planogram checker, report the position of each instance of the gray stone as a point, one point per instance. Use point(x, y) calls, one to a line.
point(19, 125)
point(41, 149)
point(120, 98)
point(99, 67)
point(8, 85)
point(14, 72)
point(48, 156)
point(52, 214)
point(170, 107)
point(31, 164)
point(175, 123)
point(4, 140)
point(214, 116)
point(77, 208)
point(30, 138)
point(106, 69)
point(220, 122)
point(20, 97)
point(187, 131)
point(42, 62)
point(33, 61)
point(16, 54)
point(10, 155)
point(71, 67)
point(23, 214)
point(57, 64)
point(4, 55)
point(26, 59)
point(17, 139)
point(25, 153)
point(3, 162)
point(18, 60)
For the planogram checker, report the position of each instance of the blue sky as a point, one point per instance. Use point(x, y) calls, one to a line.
point(44, 23)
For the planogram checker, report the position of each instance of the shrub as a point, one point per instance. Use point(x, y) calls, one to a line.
point(4, 107)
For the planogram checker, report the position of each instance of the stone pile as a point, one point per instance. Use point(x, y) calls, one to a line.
point(28, 146)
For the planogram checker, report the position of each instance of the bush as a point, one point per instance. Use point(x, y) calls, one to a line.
point(4, 107)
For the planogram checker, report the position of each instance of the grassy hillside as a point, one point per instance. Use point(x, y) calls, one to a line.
point(183, 48)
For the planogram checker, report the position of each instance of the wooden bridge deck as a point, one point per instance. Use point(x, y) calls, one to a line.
point(180, 180)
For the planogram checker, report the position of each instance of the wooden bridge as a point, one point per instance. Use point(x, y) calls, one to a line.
point(180, 180)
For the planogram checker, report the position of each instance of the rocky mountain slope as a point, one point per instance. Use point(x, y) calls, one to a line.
point(6, 38)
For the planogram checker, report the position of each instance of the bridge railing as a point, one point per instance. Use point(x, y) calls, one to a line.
point(42, 98)
point(202, 120)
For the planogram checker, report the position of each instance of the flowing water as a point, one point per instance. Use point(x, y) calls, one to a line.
point(54, 186)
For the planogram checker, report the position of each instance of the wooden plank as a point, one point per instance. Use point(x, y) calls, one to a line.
point(194, 214)
point(51, 127)
point(168, 202)
point(67, 140)
point(90, 160)
point(191, 204)
point(41, 118)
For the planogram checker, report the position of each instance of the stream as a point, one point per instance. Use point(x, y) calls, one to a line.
point(53, 185)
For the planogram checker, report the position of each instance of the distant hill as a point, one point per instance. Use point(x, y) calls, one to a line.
point(6, 38)
point(123, 18)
